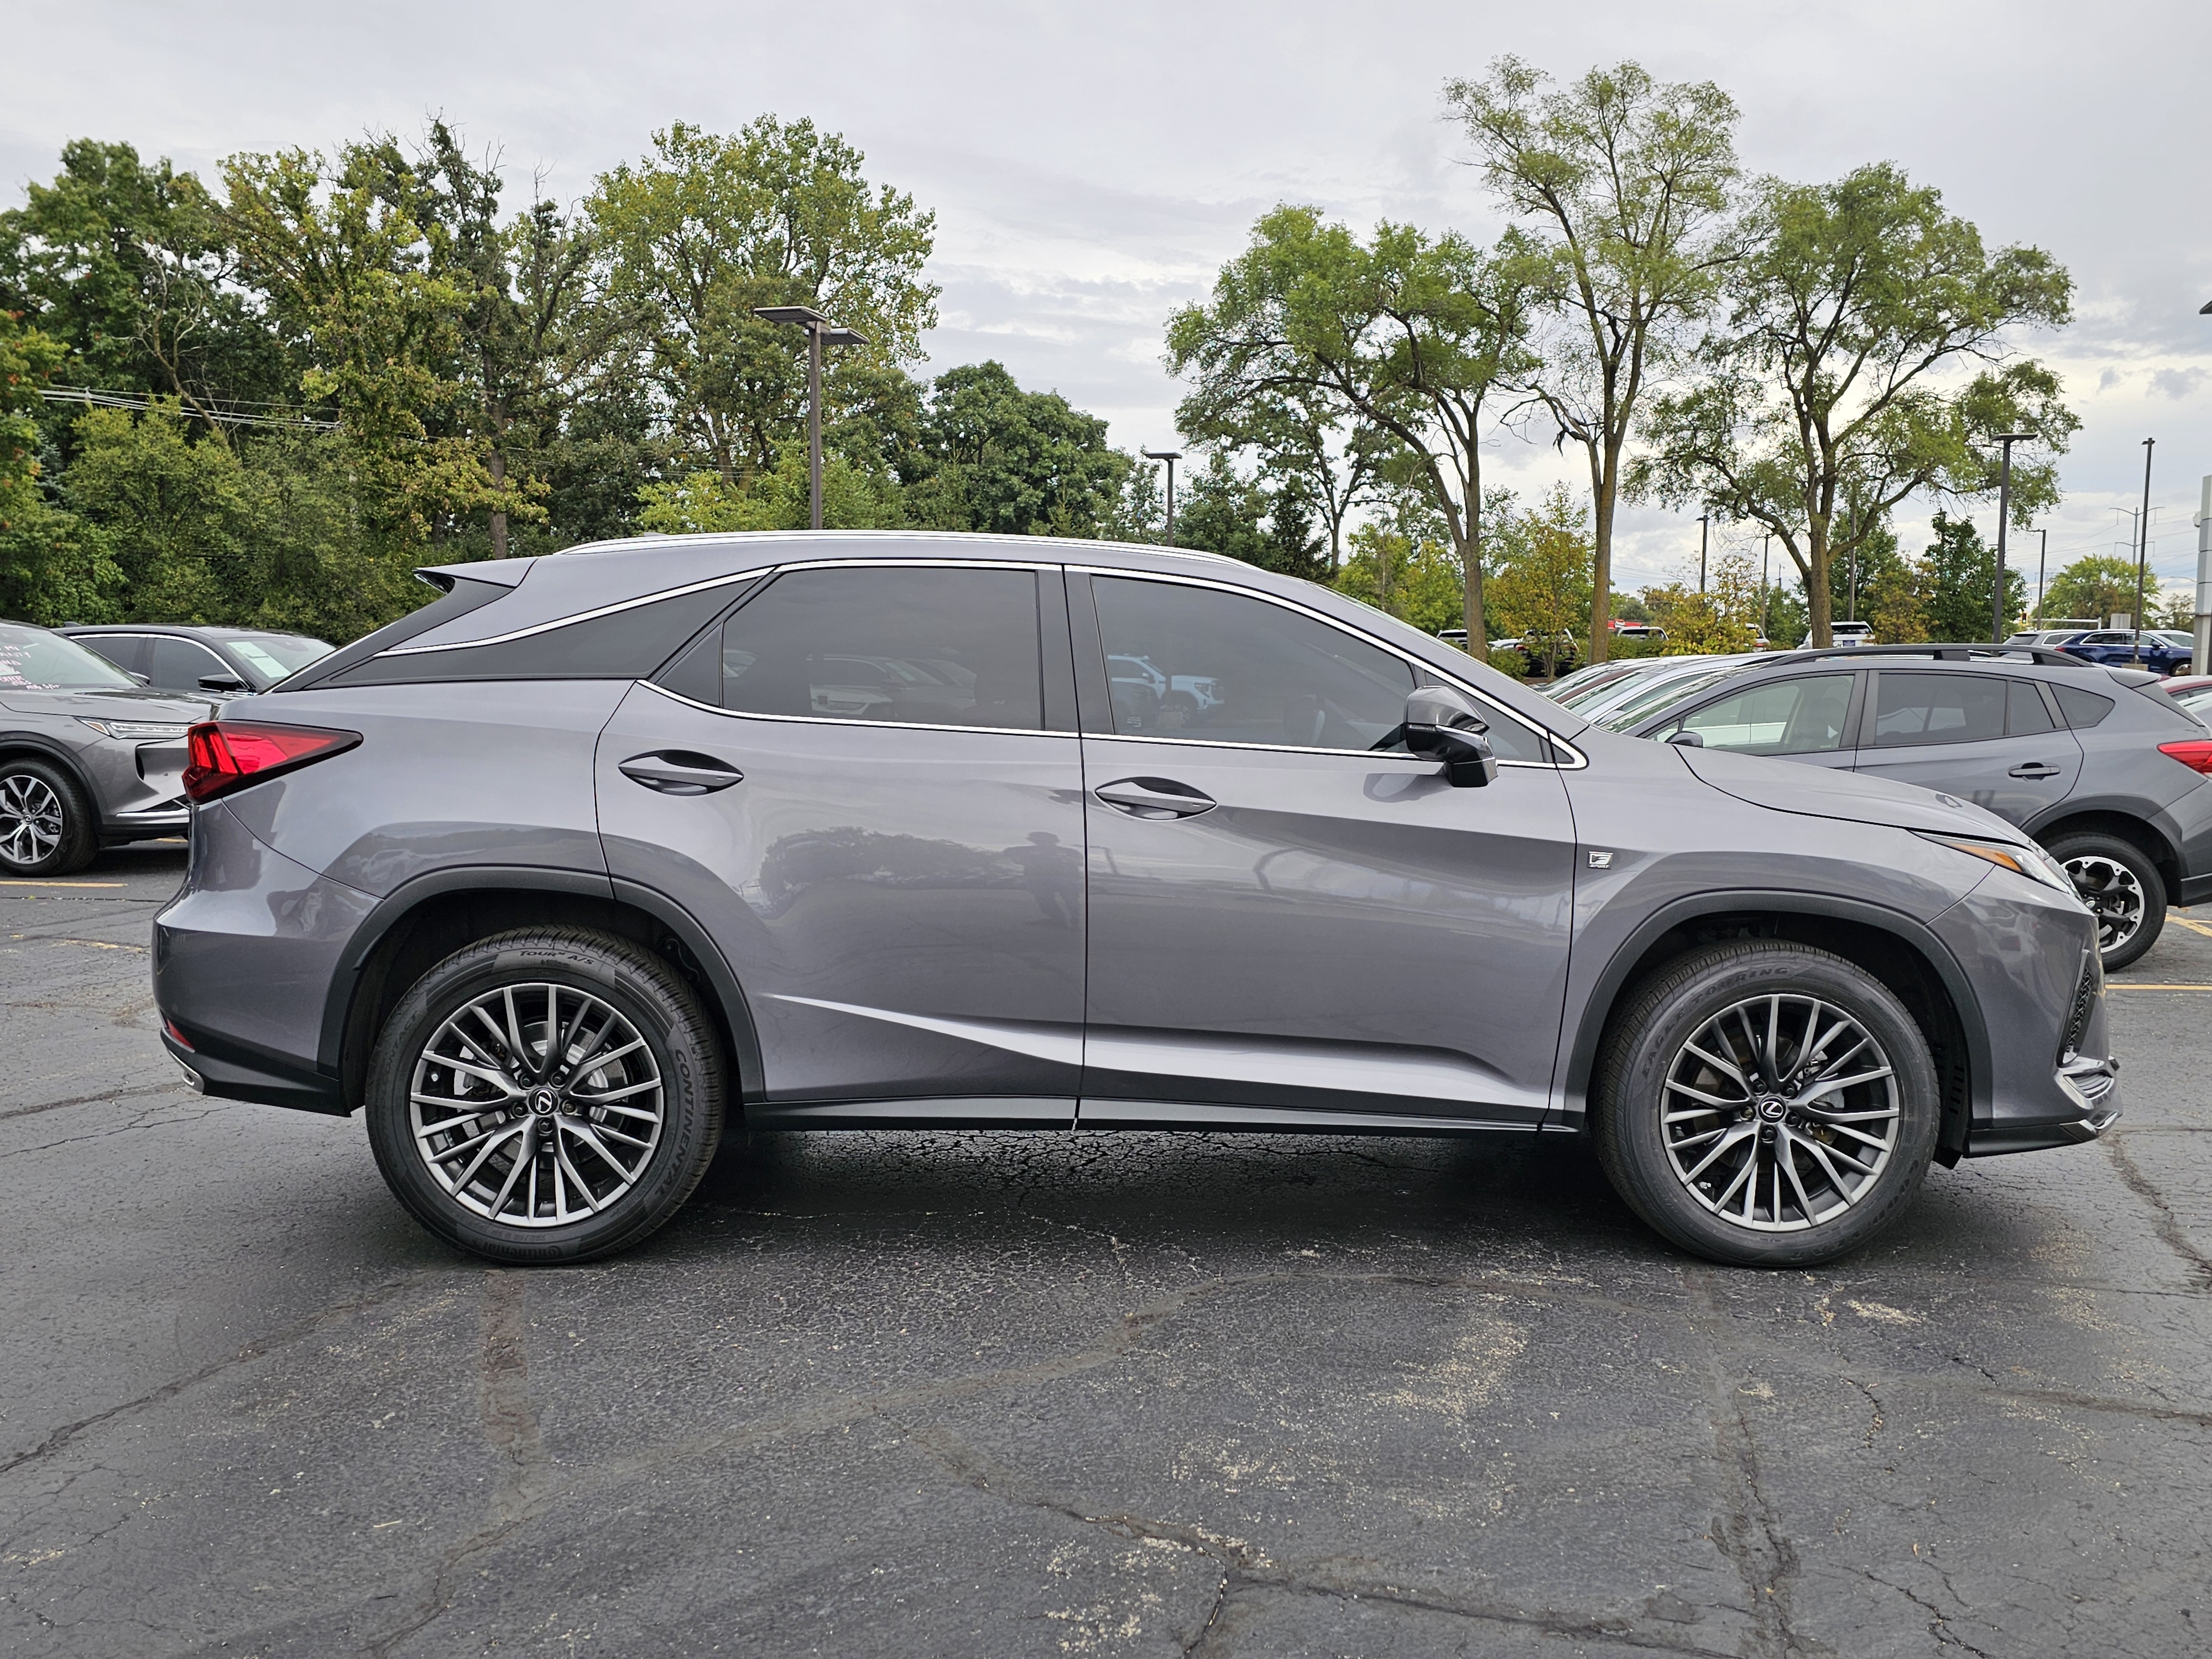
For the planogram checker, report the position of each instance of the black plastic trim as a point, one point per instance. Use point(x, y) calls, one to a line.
point(460, 598)
point(231, 1070)
point(60, 757)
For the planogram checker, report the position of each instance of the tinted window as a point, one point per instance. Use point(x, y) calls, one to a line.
point(178, 665)
point(31, 659)
point(1790, 717)
point(2025, 715)
point(125, 651)
point(2083, 709)
point(929, 646)
point(1919, 708)
point(627, 644)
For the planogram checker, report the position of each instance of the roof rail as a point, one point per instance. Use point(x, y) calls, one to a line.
point(1941, 653)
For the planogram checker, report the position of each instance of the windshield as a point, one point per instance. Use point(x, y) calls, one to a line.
point(31, 659)
point(273, 656)
point(1665, 695)
point(1611, 685)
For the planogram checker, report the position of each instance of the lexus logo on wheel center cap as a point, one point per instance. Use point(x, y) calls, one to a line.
point(1772, 1107)
point(543, 1101)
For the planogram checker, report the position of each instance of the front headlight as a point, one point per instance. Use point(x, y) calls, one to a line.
point(136, 731)
point(2030, 860)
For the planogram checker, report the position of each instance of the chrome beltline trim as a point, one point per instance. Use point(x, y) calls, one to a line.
point(831, 719)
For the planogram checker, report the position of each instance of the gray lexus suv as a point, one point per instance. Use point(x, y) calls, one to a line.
point(603, 852)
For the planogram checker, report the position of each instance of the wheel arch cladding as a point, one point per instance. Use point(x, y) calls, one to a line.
point(2144, 837)
point(427, 919)
point(1901, 954)
point(30, 745)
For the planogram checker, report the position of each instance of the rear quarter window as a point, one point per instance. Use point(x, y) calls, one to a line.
point(2082, 709)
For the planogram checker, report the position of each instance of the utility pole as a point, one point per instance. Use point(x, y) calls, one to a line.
point(2201, 649)
point(2143, 546)
point(1854, 614)
point(820, 331)
point(1704, 524)
point(1766, 604)
point(2042, 560)
point(1170, 456)
point(2005, 441)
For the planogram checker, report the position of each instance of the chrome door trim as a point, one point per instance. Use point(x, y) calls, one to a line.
point(1576, 762)
point(831, 719)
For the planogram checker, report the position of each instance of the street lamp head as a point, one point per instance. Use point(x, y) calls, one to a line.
point(806, 314)
point(1161, 454)
point(2205, 310)
point(843, 336)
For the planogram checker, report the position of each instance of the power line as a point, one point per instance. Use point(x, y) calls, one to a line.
point(95, 397)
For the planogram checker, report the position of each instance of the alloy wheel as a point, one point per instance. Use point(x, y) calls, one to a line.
point(1780, 1113)
point(536, 1104)
point(2113, 892)
point(30, 819)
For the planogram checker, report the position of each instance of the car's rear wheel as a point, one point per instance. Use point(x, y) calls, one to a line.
point(1766, 1104)
point(2122, 885)
point(47, 828)
point(547, 1094)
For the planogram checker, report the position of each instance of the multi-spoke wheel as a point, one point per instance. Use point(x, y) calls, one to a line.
point(1781, 1112)
point(1766, 1102)
point(45, 828)
point(2123, 889)
point(545, 1095)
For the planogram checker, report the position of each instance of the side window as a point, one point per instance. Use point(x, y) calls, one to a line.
point(913, 645)
point(1789, 717)
point(2083, 709)
point(178, 664)
point(125, 651)
point(2025, 715)
point(1924, 708)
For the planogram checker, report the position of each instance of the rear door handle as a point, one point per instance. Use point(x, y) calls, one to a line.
point(2035, 770)
point(681, 772)
point(1155, 798)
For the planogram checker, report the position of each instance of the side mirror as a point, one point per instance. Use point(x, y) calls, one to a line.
point(223, 683)
point(142, 679)
point(1445, 725)
point(1687, 739)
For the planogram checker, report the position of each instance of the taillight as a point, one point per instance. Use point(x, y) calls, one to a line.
point(2195, 753)
point(228, 755)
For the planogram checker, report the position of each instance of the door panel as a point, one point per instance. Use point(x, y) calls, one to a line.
point(1340, 933)
point(1984, 737)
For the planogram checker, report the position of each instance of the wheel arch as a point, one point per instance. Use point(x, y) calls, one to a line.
point(426, 919)
point(18, 744)
point(2106, 819)
point(1901, 953)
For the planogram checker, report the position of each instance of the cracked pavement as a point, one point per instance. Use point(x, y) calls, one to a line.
point(1071, 1394)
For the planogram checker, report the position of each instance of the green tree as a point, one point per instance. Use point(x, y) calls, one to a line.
point(2100, 586)
point(1415, 578)
point(705, 228)
point(1298, 437)
point(1863, 360)
point(50, 570)
point(1630, 176)
point(1541, 581)
point(1410, 336)
point(1961, 580)
point(1015, 462)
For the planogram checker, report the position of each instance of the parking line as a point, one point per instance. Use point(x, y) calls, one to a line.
point(61, 883)
point(2205, 928)
point(2115, 985)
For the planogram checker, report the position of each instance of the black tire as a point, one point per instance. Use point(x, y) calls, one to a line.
point(47, 827)
point(674, 1032)
point(2092, 860)
point(1647, 1043)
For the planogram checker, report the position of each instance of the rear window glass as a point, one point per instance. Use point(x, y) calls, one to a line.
point(905, 645)
point(2025, 714)
point(2083, 709)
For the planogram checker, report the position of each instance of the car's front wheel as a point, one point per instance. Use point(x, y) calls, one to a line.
point(547, 1094)
point(47, 825)
point(1767, 1105)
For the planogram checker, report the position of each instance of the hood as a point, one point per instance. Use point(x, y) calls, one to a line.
point(1819, 792)
point(119, 704)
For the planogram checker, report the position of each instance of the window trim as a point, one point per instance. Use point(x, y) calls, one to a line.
point(1576, 762)
point(1040, 569)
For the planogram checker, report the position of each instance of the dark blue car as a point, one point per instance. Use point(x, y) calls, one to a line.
point(2160, 652)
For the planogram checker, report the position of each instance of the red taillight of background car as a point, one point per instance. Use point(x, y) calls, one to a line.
point(2195, 753)
point(228, 755)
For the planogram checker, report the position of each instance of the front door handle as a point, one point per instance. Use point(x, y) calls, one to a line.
point(1155, 798)
point(681, 772)
point(2035, 770)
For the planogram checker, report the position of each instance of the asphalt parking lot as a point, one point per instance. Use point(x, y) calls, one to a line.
point(1076, 1393)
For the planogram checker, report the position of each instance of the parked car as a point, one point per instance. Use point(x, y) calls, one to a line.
point(196, 661)
point(2192, 692)
point(1843, 634)
point(2051, 638)
point(2104, 771)
point(1655, 679)
point(88, 757)
point(1648, 633)
point(2122, 647)
point(569, 871)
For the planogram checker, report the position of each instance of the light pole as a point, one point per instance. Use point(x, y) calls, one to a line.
point(1170, 456)
point(820, 331)
point(2042, 564)
point(2143, 546)
point(2005, 441)
point(1766, 604)
point(1705, 526)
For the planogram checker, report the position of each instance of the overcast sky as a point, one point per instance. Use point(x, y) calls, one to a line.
point(1092, 166)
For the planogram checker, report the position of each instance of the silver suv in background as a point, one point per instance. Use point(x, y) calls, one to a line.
point(590, 859)
point(89, 756)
